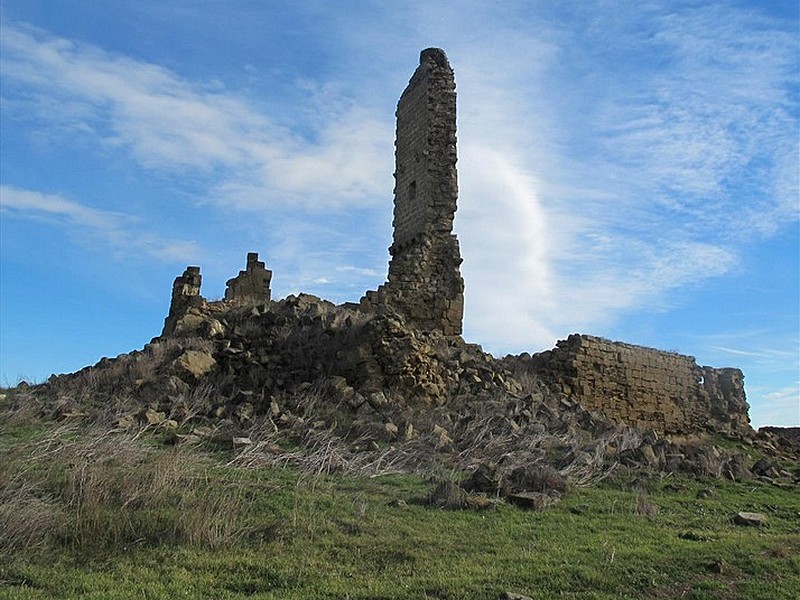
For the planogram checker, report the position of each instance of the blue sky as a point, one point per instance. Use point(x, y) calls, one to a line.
point(626, 169)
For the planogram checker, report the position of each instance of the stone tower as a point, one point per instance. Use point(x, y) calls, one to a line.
point(252, 284)
point(424, 281)
point(185, 295)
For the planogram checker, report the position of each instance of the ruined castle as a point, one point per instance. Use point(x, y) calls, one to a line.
point(639, 386)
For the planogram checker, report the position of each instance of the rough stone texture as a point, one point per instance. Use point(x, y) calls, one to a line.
point(195, 363)
point(424, 282)
point(185, 296)
point(750, 519)
point(252, 284)
point(790, 434)
point(644, 387)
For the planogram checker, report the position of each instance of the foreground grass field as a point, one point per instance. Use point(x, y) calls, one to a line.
point(116, 516)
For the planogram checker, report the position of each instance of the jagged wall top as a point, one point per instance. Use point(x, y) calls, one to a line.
point(426, 186)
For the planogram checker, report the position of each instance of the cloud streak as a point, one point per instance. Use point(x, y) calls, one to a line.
point(167, 123)
point(608, 203)
point(122, 233)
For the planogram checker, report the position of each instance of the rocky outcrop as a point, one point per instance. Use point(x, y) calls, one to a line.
point(185, 296)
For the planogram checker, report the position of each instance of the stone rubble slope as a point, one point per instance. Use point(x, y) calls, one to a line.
point(305, 382)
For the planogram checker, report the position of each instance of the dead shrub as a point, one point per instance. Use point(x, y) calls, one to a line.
point(542, 479)
point(448, 494)
point(644, 507)
point(28, 518)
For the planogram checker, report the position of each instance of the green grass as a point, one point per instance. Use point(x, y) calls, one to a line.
point(284, 534)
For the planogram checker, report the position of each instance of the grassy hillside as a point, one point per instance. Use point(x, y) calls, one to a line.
point(90, 513)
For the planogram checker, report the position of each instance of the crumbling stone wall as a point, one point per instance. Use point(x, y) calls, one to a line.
point(252, 284)
point(185, 295)
point(645, 387)
point(424, 282)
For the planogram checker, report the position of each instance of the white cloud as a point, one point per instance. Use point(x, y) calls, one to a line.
point(124, 234)
point(780, 407)
point(592, 187)
point(171, 124)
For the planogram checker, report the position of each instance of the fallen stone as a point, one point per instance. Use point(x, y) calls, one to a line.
point(195, 363)
point(125, 421)
point(513, 596)
point(579, 509)
point(718, 566)
point(764, 468)
point(448, 495)
point(443, 435)
point(530, 500)
point(154, 417)
point(377, 400)
point(213, 328)
point(705, 493)
point(750, 519)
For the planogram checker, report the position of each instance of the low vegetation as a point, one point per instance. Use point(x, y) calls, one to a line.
point(92, 512)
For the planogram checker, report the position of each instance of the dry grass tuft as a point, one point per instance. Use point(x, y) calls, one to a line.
point(95, 489)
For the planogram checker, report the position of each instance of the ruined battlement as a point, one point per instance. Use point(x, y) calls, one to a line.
point(252, 284)
point(185, 295)
point(645, 387)
point(424, 282)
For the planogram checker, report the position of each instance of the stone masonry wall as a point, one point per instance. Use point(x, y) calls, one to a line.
point(645, 387)
point(252, 284)
point(424, 282)
point(185, 295)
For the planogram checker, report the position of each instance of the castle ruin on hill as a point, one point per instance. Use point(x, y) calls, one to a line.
point(643, 387)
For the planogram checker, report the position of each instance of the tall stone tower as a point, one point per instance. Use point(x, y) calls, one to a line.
point(424, 281)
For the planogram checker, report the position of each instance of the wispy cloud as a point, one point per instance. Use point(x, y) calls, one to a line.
point(168, 123)
point(779, 407)
point(124, 234)
point(578, 208)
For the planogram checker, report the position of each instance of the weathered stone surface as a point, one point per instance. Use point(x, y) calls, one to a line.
point(195, 363)
point(252, 284)
point(424, 282)
point(644, 387)
point(750, 519)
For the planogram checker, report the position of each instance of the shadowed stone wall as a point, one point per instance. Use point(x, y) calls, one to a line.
point(645, 387)
point(252, 284)
point(424, 282)
point(185, 295)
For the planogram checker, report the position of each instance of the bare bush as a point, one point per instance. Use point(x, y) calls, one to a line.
point(645, 507)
